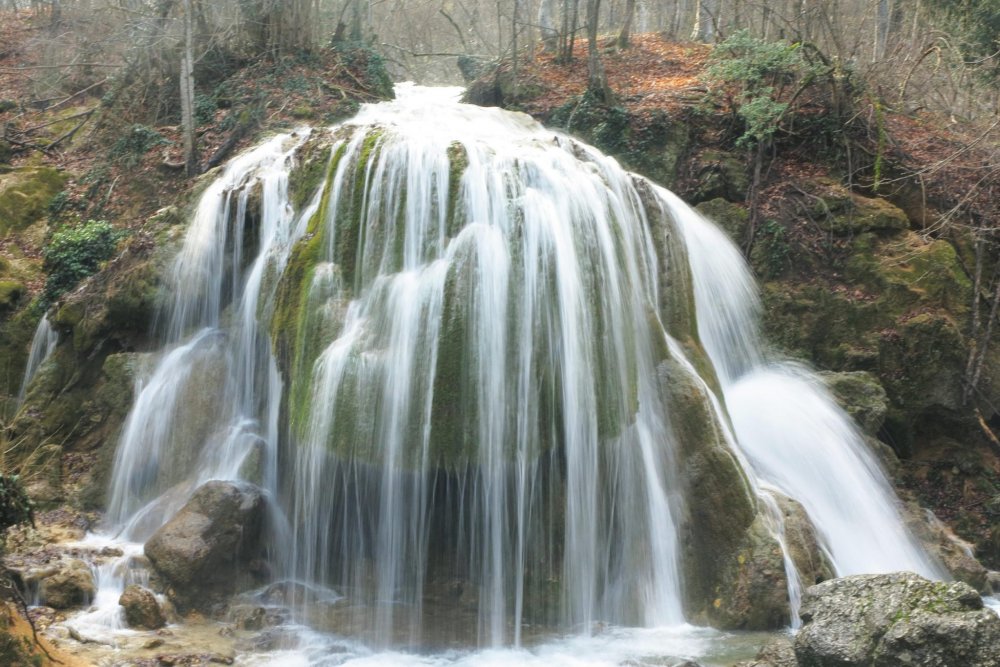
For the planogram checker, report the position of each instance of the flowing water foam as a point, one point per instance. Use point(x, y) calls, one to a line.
point(43, 344)
point(515, 298)
point(786, 422)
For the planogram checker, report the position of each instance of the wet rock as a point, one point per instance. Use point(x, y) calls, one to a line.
point(803, 544)
point(202, 552)
point(896, 619)
point(142, 611)
point(955, 554)
point(862, 396)
point(753, 594)
point(778, 653)
point(69, 584)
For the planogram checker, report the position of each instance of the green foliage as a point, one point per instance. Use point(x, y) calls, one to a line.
point(204, 108)
point(15, 506)
point(977, 25)
point(135, 143)
point(773, 244)
point(361, 57)
point(76, 252)
point(58, 204)
point(757, 75)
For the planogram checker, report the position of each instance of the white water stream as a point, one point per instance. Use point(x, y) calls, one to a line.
point(466, 329)
point(43, 344)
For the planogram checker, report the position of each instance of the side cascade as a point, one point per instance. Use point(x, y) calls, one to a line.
point(43, 344)
point(458, 352)
point(788, 425)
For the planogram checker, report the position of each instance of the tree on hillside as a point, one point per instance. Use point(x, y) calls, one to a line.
point(597, 79)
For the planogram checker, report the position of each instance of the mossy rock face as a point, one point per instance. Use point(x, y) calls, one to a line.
point(654, 145)
point(116, 305)
point(719, 508)
point(11, 293)
point(82, 405)
point(753, 591)
point(16, 332)
point(719, 174)
point(861, 395)
point(25, 194)
point(732, 218)
point(840, 211)
point(897, 317)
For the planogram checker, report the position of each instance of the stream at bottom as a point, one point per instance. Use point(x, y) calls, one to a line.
point(260, 631)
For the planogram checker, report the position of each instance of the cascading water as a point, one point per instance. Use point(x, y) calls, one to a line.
point(441, 350)
point(43, 344)
point(791, 430)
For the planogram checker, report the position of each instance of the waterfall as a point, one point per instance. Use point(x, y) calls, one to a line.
point(447, 344)
point(786, 422)
point(43, 343)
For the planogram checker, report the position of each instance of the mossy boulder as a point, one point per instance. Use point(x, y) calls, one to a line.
point(732, 218)
point(841, 211)
point(720, 509)
point(753, 591)
point(719, 175)
point(803, 543)
point(25, 193)
point(11, 293)
point(896, 619)
point(861, 395)
point(142, 611)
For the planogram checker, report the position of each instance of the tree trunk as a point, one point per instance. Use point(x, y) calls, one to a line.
point(187, 94)
point(597, 80)
point(547, 25)
point(626, 33)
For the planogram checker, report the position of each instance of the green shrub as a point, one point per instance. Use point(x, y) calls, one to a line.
point(204, 108)
point(15, 506)
point(756, 76)
point(135, 143)
point(76, 252)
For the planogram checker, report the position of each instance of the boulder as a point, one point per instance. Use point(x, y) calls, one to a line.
point(70, 584)
point(885, 620)
point(202, 552)
point(142, 611)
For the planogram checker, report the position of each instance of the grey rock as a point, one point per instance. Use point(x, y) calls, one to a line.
point(897, 619)
point(142, 611)
point(70, 584)
point(201, 553)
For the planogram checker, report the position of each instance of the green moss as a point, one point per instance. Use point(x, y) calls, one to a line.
point(458, 162)
point(720, 504)
point(25, 195)
point(351, 230)
point(453, 413)
point(11, 293)
point(315, 160)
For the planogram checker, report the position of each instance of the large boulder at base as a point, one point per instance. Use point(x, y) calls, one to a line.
point(889, 620)
point(142, 611)
point(68, 584)
point(201, 552)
